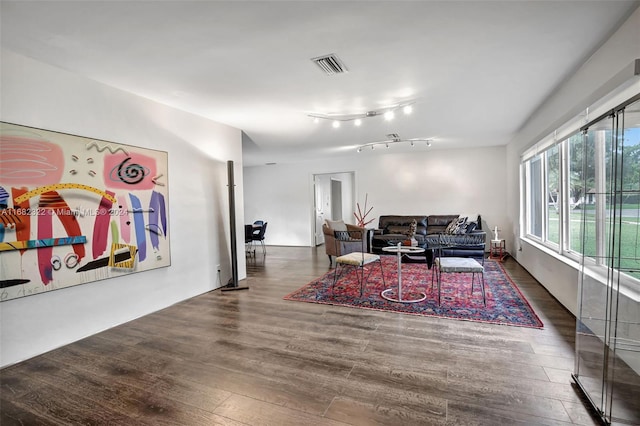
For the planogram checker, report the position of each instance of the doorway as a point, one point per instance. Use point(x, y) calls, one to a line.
point(334, 195)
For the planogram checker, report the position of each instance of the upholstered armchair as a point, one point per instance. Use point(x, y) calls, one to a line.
point(342, 238)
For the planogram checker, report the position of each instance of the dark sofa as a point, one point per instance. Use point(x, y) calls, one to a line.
point(430, 233)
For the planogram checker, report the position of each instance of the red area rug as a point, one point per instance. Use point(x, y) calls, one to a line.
point(505, 303)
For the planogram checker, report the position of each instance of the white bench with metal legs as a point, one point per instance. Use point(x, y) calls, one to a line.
point(459, 265)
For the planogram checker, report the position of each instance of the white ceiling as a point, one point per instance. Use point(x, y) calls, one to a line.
point(477, 70)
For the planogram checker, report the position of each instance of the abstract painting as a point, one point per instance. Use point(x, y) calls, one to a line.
point(74, 210)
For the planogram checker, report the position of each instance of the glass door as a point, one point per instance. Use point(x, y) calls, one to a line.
point(595, 296)
point(608, 325)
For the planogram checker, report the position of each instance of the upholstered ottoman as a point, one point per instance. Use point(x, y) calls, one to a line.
point(459, 265)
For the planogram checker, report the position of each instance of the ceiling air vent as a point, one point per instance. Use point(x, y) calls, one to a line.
point(394, 137)
point(330, 64)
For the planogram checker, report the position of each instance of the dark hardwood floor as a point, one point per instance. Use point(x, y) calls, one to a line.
point(251, 358)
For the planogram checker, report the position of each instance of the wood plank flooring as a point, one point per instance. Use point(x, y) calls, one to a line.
point(251, 358)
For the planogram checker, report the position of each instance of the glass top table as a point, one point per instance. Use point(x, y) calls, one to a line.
point(388, 294)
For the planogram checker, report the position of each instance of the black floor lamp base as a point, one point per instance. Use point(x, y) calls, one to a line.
point(234, 288)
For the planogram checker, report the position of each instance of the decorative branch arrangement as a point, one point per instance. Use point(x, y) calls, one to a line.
point(362, 218)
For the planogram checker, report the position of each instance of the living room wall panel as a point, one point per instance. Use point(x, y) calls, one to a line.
point(38, 95)
point(435, 181)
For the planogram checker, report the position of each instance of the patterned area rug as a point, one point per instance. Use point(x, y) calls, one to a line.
point(505, 303)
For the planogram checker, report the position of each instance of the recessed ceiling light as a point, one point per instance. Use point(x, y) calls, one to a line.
point(408, 109)
point(335, 124)
point(389, 115)
point(357, 122)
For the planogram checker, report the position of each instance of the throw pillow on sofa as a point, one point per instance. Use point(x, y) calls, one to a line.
point(451, 226)
point(472, 222)
point(462, 227)
point(457, 226)
point(471, 226)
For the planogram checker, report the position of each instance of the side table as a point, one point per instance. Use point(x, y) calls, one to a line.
point(497, 250)
point(388, 293)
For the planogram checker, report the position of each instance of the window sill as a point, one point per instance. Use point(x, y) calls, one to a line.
point(564, 259)
point(629, 286)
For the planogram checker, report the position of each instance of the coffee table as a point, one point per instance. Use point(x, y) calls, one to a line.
point(400, 250)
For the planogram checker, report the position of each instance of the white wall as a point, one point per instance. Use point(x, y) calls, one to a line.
point(35, 94)
point(577, 93)
point(469, 182)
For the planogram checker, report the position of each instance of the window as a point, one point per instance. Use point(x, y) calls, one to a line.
point(534, 196)
point(543, 196)
point(629, 184)
point(552, 168)
point(583, 192)
point(577, 195)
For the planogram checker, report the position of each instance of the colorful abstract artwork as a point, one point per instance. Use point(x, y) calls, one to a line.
point(74, 210)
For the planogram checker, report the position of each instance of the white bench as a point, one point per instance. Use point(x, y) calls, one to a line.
point(460, 265)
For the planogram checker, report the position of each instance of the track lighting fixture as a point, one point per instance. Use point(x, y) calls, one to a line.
point(393, 138)
point(388, 112)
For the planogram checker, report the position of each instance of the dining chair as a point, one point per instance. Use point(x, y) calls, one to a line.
point(258, 235)
point(355, 260)
point(248, 231)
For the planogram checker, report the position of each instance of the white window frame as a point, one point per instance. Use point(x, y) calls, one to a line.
point(539, 153)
